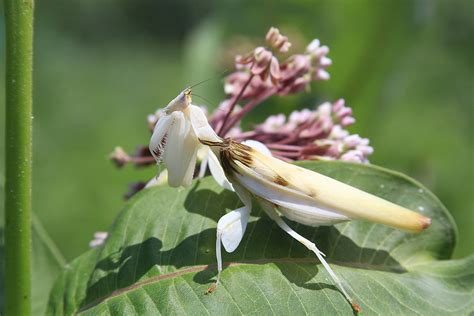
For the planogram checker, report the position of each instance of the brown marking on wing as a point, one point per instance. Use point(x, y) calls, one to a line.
point(312, 194)
point(280, 180)
point(230, 152)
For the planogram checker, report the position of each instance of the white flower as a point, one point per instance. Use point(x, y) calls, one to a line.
point(175, 138)
point(299, 194)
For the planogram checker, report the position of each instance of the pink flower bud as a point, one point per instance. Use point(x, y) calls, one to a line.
point(119, 157)
point(273, 123)
point(321, 74)
point(298, 117)
point(321, 51)
point(339, 104)
point(277, 40)
point(335, 150)
point(274, 70)
point(338, 132)
point(313, 46)
point(272, 35)
point(343, 112)
point(325, 62)
point(262, 61)
point(366, 150)
point(348, 120)
point(353, 156)
point(352, 141)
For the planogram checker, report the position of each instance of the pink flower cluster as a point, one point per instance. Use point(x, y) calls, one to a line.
point(312, 134)
point(261, 71)
point(307, 134)
point(260, 74)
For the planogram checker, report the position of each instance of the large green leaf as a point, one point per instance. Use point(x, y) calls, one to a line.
point(160, 259)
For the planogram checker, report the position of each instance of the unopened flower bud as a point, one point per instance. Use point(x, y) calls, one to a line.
point(321, 74)
point(277, 40)
point(119, 157)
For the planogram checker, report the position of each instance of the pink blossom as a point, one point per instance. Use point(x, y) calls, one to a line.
point(298, 117)
point(318, 133)
point(338, 132)
point(311, 134)
point(352, 141)
point(353, 156)
point(260, 62)
point(277, 40)
point(273, 123)
point(236, 81)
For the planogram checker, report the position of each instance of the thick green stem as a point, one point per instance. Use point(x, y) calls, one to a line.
point(19, 51)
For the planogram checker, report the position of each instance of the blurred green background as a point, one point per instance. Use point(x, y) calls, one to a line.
point(406, 68)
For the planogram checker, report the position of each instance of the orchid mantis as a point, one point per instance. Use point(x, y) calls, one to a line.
point(280, 188)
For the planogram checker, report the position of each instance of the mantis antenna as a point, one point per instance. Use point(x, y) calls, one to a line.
point(205, 99)
point(209, 79)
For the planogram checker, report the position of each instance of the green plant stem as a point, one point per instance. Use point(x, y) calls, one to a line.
point(19, 51)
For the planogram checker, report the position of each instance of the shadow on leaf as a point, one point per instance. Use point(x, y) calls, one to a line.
point(264, 243)
point(209, 203)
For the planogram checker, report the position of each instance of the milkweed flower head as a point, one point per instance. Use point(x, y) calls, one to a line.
point(267, 70)
point(305, 134)
point(262, 72)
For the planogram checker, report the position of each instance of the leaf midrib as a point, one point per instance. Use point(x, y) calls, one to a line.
point(199, 268)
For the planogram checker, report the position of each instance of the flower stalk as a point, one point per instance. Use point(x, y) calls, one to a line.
point(233, 103)
point(18, 155)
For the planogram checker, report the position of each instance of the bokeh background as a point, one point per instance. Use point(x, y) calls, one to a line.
point(406, 68)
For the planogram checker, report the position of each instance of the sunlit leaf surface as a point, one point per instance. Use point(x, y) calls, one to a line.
point(160, 259)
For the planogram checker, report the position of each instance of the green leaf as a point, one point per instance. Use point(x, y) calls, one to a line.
point(160, 258)
point(47, 264)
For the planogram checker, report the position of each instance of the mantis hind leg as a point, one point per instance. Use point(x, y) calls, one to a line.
point(213, 287)
point(269, 208)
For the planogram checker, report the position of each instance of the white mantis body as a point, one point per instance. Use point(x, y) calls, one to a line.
point(280, 188)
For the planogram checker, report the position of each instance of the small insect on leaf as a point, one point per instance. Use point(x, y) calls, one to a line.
point(211, 289)
point(356, 307)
